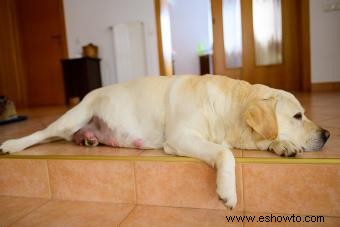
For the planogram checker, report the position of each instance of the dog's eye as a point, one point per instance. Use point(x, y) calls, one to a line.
point(298, 116)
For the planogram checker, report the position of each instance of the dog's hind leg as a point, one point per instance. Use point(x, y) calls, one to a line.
point(64, 128)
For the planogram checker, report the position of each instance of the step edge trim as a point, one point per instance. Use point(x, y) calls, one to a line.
point(240, 160)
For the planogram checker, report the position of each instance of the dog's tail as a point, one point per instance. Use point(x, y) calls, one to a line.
point(63, 128)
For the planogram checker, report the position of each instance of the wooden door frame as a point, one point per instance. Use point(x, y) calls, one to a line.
point(165, 64)
point(63, 29)
point(304, 43)
point(159, 37)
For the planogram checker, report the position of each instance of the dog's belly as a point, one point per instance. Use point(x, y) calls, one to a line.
point(96, 131)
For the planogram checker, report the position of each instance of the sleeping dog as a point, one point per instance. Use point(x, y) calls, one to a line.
point(196, 116)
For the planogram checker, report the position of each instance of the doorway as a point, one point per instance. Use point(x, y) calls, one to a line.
point(263, 41)
point(185, 35)
point(191, 34)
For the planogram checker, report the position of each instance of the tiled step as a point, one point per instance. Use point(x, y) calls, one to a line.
point(298, 186)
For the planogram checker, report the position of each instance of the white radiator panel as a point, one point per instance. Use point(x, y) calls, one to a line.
point(129, 51)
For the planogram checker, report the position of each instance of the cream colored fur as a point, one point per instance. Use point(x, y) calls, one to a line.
point(196, 116)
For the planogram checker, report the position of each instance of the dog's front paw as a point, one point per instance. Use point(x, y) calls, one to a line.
point(10, 146)
point(285, 148)
point(228, 197)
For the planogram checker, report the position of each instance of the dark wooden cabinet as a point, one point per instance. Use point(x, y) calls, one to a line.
point(81, 75)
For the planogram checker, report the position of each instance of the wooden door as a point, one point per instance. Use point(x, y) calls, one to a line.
point(11, 77)
point(289, 69)
point(42, 35)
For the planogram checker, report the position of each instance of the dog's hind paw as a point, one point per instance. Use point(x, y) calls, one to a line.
point(3, 152)
point(10, 146)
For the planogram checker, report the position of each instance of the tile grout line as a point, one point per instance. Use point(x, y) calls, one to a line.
point(183, 207)
point(126, 217)
point(243, 197)
point(30, 212)
point(135, 180)
point(243, 180)
point(48, 178)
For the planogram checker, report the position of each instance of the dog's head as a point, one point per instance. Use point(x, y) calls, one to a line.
point(280, 117)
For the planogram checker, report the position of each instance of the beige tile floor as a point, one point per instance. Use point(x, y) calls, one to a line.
point(322, 108)
point(19, 211)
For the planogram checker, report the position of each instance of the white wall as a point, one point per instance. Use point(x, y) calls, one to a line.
point(325, 42)
point(189, 26)
point(90, 21)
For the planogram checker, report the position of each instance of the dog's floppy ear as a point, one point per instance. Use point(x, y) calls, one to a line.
point(261, 117)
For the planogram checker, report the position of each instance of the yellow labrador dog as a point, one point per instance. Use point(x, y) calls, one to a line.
point(196, 116)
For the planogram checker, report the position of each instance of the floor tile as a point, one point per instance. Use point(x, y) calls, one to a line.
point(67, 213)
point(47, 120)
point(181, 184)
point(287, 188)
point(69, 148)
point(109, 181)
point(14, 208)
point(38, 112)
point(153, 216)
point(330, 123)
point(38, 118)
point(19, 129)
point(27, 178)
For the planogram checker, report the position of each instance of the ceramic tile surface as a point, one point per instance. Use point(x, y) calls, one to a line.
point(67, 213)
point(14, 208)
point(24, 178)
point(153, 216)
point(67, 148)
point(92, 180)
point(287, 188)
point(185, 185)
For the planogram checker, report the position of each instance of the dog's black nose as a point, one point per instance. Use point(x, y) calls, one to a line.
point(325, 134)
